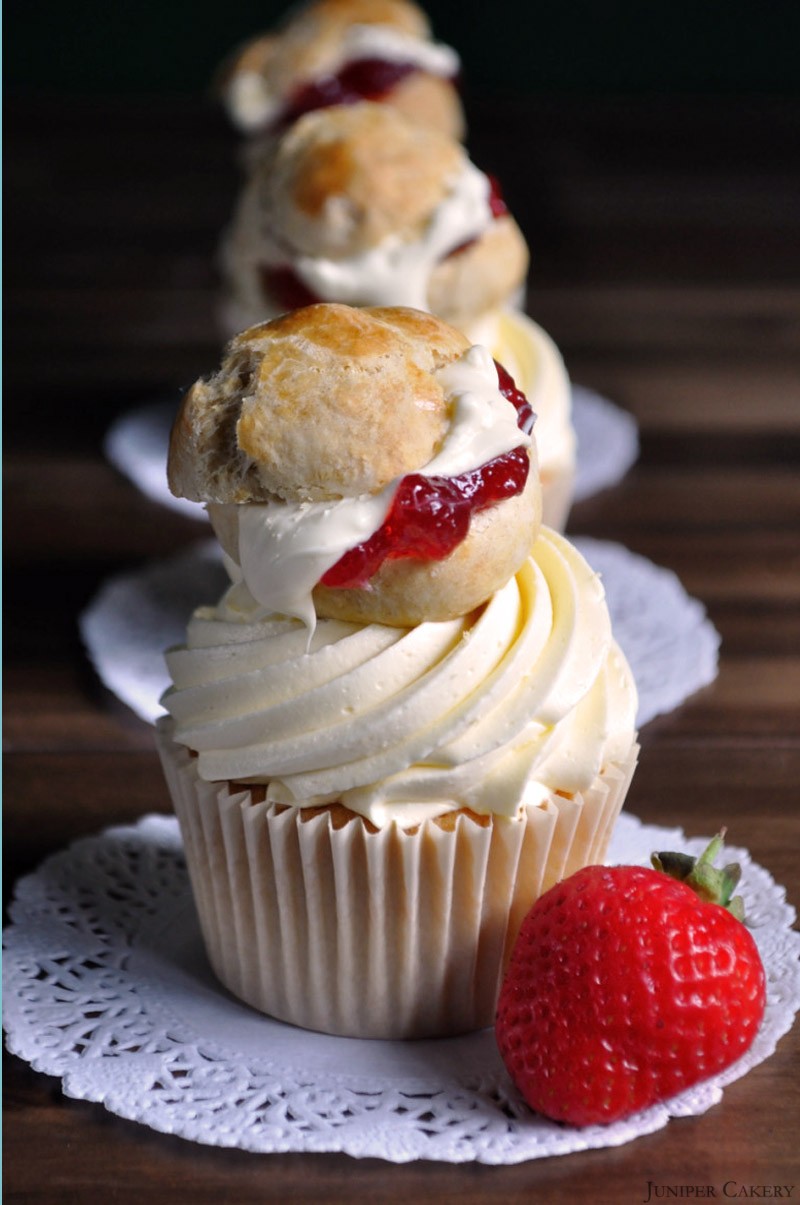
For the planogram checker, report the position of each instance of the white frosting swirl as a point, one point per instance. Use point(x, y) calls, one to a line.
point(492, 711)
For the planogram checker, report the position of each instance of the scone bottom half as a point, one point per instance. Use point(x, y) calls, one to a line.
point(329, 407)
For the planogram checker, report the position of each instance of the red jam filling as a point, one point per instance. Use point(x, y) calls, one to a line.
point(364, 79)
point(430, 516)
point(285, 288)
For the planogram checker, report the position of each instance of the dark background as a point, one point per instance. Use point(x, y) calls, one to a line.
point(507, 46)
point(624, 134)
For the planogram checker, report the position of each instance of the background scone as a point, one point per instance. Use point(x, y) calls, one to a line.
point(368, 811)
point(334, 52)
point(360, 206)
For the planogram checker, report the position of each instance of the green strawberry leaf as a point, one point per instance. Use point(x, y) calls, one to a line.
point(711, 883)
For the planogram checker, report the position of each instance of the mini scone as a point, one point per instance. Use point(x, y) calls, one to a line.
point(368, 811)
point(360, 206)
point(333, 52)
point(325, 427)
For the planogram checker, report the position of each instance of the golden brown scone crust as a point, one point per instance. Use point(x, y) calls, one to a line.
point(325, 402)
point(343, 179)
point(308, 42)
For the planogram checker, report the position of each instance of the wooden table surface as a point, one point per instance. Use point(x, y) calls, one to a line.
point(665, 240)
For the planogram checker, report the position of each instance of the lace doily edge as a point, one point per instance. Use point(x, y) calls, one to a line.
point(691, 1103)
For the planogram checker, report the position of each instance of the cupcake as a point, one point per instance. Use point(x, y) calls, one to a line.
point(360, 206)
point(406, 718)
point(338, 52)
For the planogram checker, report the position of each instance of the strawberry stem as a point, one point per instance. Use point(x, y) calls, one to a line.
point(711, 883)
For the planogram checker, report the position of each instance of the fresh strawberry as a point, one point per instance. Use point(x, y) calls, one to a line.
point(627, 985)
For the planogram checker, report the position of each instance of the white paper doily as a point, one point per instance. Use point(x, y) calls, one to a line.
point(137, 443)
point(607, 441)
point(106, 985)
point(671, 645)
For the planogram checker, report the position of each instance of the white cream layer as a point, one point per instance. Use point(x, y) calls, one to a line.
point(253, 103)
point(493, 711)
point(530, 355)
point(286, 547)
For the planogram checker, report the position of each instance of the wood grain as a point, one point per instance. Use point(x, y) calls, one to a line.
point(665, 240)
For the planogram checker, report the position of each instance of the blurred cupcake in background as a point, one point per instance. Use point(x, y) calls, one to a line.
point(359, 205)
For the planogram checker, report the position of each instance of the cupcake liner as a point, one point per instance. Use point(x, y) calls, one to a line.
point(387, 933)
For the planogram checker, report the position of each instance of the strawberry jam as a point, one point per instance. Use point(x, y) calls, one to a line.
point(510, 391)
point(430, 516)
point(497, 202)
point(364, 79)
point(284, 287)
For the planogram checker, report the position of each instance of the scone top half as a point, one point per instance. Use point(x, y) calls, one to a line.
point(331, 52)
point(361, 206)
point(335, 437)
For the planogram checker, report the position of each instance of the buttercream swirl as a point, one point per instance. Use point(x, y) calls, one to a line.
point(492, 711)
